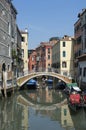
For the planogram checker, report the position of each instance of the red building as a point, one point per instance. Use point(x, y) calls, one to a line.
point(32, 60)
point(44, 56)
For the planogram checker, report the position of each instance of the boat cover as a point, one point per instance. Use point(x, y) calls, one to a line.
point(74, 98)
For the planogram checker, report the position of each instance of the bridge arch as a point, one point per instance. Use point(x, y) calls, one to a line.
point(22, 80)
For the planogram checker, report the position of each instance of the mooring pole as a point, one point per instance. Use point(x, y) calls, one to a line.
point(13, 80)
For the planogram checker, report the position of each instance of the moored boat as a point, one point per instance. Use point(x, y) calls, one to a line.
point(49, 83)
point(32, 84)
point(72, 87)
point(74, 100)
point(83, 95)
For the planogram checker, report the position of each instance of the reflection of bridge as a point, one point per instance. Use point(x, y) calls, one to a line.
point(22, 80)
point(23, 101)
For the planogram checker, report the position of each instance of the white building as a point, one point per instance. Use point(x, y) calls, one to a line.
point(24, 46)
point(62, 56)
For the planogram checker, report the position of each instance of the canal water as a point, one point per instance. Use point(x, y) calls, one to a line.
point(40, 109)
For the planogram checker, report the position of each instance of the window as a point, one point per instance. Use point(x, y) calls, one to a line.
point(64, 64)
point(65, 112)
point(48, 65)
point(64, 44)
point(8, 67)
point(84, 72)
point(80, 71)
point(9, 50)
point(32, 58)
point(65, 73)
point(43, 49)
point(9, 28)
point(64, 54)
point(85, 42)
point(85, 18)
point(32, 66)
point(3, 12)
point(23, 39)
point(48, 57)
point(48, 50)
point(22, 53)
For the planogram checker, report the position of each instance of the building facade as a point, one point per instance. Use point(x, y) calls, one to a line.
point(44, 56)
point(62, 56)
point(77, 46)
point(19, 60)
point(24, 46)
point(31, 60)
point(8, 33)
point(82, 57)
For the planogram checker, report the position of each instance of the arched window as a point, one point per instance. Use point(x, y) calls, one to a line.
point(64, 54)
point(64, 64)
point(3, 67)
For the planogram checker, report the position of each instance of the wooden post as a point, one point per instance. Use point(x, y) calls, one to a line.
point(13, 80)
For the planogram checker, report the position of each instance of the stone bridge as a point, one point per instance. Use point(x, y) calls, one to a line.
point(22, 80)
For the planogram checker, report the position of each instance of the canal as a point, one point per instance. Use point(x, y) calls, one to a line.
point(40, 109)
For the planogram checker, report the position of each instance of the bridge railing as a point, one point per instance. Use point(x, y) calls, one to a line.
point(40, 70)
point(44, 70)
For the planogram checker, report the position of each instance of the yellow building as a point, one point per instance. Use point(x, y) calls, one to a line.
point(24, 46)
point(62, 56)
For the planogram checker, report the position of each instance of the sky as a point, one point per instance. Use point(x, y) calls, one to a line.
point(47, 18)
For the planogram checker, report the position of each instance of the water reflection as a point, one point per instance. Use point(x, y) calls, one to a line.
point(41, 109)
point(43, 96)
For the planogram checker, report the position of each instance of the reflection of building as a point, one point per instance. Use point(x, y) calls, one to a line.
point(24, 47)
point(13, 116)
point(49, 97)
point(62, 56)
point(25, 118)
point(66, 120)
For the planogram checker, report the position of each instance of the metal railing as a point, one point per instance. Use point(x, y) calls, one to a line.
point(53, 70)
